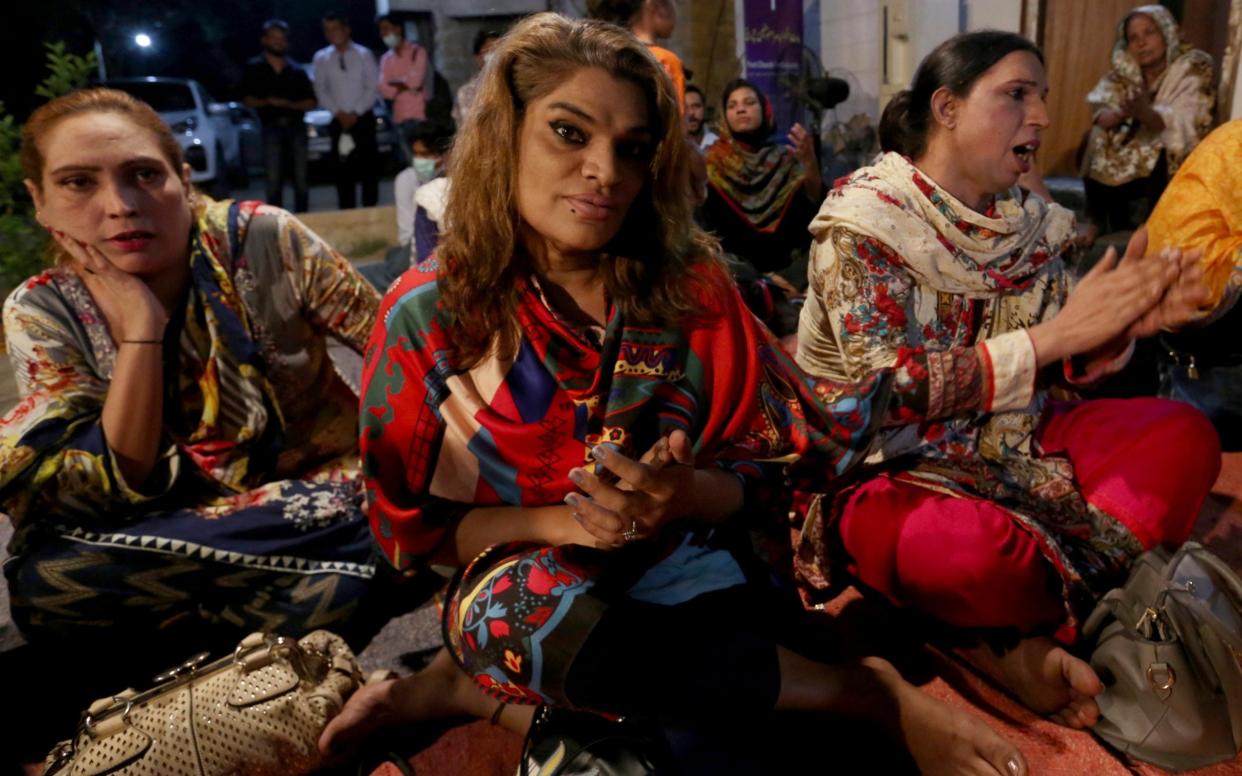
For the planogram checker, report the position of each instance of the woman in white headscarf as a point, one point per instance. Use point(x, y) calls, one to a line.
point(1151, 110)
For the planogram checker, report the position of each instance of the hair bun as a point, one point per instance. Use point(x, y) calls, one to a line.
point(896, 132)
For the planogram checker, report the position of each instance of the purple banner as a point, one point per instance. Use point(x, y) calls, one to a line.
point(772, 35)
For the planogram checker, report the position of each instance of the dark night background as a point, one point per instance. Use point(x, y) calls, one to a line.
point(209, 40)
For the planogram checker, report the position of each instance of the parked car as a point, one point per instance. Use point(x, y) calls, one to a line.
point(319, 137)
point(249, 136)
point(204, 128)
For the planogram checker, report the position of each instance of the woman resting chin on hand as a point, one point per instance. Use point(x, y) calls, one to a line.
point(167, 461)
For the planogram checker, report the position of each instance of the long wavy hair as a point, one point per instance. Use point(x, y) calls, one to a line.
point(646, 266)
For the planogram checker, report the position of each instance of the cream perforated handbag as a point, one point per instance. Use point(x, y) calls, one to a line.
point(259, 711)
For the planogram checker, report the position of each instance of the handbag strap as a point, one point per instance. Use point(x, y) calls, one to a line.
point(1108, 606)
point(1224, 576)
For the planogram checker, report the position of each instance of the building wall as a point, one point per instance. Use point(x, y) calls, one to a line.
point(457, 21)
point(852, 47)
point(993, 15)
point(705, 39)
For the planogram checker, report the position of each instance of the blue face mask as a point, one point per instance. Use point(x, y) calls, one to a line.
point(424, 169)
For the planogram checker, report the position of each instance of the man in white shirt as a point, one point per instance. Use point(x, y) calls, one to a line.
point(700, 134)
point(346, 83)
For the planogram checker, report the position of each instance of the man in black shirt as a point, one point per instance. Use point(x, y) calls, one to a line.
point(279, 89)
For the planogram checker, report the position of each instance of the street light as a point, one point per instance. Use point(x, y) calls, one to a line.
point(142, 40)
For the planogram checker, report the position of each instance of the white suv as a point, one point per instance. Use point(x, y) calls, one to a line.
point(203, 127)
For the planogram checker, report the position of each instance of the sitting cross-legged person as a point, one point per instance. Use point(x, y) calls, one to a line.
point(1009, 506)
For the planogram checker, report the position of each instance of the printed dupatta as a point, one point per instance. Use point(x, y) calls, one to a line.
point(233, 442)
point(240, 431)
point(757, 178)
point(945, 244)
point(437, 441)
point(758, 183)
point(1008, 263)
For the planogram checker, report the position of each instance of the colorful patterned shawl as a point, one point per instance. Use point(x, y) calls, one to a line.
point(437, 441)
point(242, 351)
point(758, 178)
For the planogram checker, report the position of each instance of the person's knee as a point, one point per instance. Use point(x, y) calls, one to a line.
point(1185, 429)
point(963, 547)
point(485, 610)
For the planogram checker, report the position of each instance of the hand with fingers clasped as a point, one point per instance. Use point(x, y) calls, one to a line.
point(1131, 298)
point(650, 492)
point(128, 304)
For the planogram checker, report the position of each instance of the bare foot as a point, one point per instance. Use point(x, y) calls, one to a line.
point(943, 740)
point(1045, 678)
point(439, 690)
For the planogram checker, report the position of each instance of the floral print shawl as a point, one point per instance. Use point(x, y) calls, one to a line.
point(901, 271)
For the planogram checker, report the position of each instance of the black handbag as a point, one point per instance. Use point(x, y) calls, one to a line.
point(1203, 367)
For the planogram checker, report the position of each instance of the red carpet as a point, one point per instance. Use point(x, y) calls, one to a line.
point(482, 750)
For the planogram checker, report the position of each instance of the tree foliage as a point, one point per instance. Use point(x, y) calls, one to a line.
point(23, 242)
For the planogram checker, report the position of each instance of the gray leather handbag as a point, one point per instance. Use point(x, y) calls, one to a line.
point(1168, 647)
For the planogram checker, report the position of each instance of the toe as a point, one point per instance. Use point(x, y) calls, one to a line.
point(1080, 676)
point(1088, 712)
point(1004, 759)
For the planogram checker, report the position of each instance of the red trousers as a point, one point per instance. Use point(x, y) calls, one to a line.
point(1147, 462)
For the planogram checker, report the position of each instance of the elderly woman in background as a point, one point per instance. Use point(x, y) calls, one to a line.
point(1151, 110)
point(569, 403)
point(167, 468)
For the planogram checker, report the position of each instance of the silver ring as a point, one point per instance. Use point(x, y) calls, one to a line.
point(632, 533)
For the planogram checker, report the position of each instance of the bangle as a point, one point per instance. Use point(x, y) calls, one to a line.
point(143, 342)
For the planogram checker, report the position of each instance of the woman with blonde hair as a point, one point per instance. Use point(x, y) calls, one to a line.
point(570, 404)
point(167, 470)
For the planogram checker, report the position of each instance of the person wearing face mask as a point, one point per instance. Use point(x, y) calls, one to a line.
point(1150, 111)
point(404, 78)
point(484, 42)
point(420, 191)
point(279, 89)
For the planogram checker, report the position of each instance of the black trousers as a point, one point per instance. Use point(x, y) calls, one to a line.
point(1126, 207)
point(360, 166)
point(284, 151)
